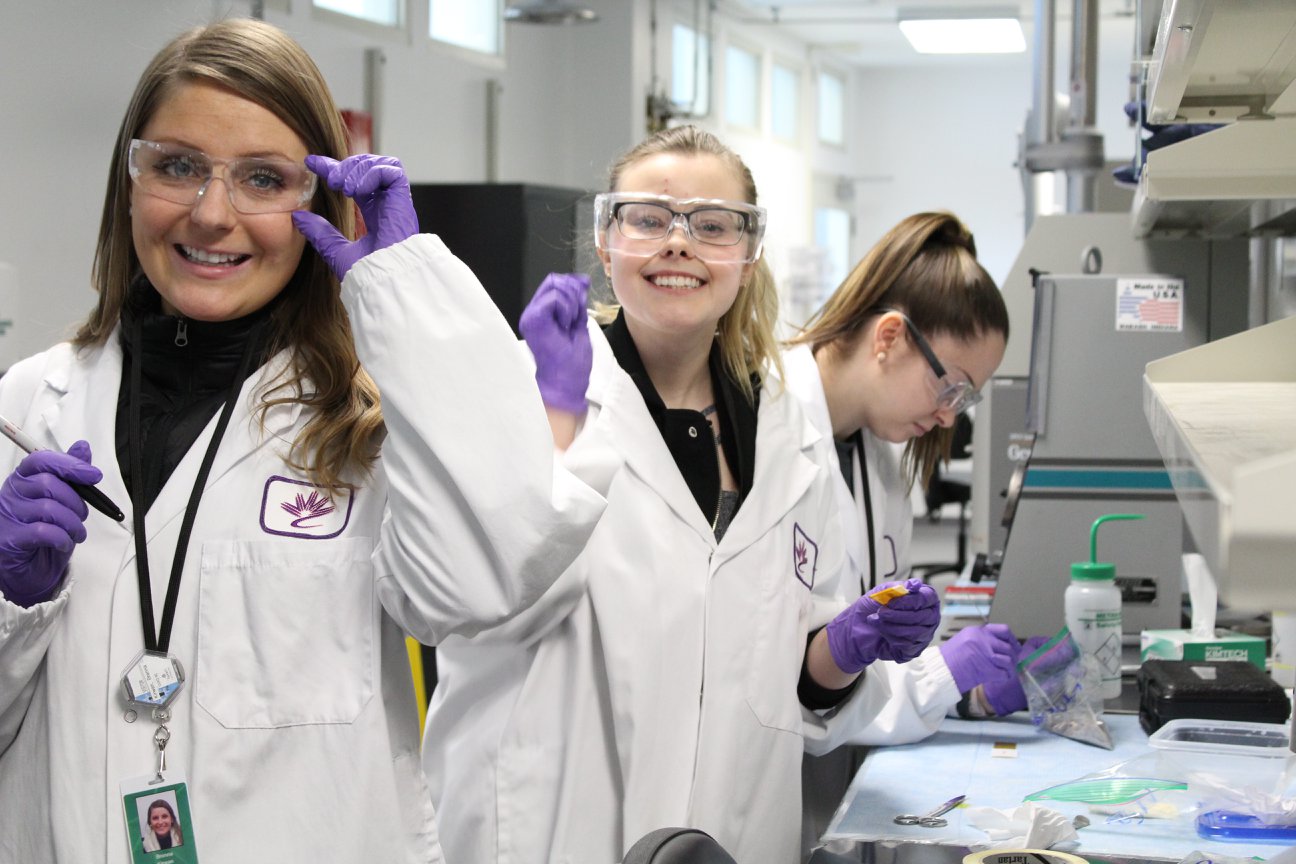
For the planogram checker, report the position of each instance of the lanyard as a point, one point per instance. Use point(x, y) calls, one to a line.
point(158, 639)
point(857, 450)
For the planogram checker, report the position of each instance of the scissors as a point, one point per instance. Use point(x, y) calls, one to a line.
point(932, 819)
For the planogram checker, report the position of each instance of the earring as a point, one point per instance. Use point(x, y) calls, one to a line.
point(881, 357)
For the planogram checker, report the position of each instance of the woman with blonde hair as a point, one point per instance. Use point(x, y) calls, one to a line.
point(656, 684)
point(239, 637)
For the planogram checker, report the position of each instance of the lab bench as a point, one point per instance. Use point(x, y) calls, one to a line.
point(967, 757)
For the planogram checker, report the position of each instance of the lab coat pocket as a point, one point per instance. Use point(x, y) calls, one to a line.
point(775, 663)
point(285, 632)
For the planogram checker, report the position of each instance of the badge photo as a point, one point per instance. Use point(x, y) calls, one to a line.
point(159, 825)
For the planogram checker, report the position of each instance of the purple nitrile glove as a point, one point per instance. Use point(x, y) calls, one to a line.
point(899, 631)
point(41, 520)
point(977, 655)
point(554, 327)
point(1005, 695)
point(379, 186)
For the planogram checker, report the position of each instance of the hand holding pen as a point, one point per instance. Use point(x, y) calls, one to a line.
point(42, 517)
point(86, 490)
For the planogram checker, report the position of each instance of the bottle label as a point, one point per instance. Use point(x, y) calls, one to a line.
point(1111, 618)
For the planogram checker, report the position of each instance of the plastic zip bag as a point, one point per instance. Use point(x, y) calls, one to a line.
point(1064, 691)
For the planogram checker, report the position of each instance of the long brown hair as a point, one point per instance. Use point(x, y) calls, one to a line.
point(925, 267)
point(748, 345)
point(264, 65)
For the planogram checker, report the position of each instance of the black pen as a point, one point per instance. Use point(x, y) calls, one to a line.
point(89, 494)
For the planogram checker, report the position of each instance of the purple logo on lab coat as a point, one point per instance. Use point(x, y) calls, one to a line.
point(805, 555)
point(292, 508)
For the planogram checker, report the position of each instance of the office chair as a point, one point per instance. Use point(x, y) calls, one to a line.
point(943, 490)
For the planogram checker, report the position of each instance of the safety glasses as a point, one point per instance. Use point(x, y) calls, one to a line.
point(254, 184)
point(951, 394)
point(721, 231)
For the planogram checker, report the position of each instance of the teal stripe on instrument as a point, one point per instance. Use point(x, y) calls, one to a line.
point(1071, 478)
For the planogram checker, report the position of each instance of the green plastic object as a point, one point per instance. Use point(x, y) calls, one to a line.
point(1093, 569)
point(1107, 790)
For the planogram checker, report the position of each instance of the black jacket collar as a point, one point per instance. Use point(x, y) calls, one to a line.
point(694, 453)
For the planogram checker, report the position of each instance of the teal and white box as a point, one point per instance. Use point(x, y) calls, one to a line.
point(1187, 645)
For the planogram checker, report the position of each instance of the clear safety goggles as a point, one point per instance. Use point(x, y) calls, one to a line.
point(952, 394)
point(723, 232)
point(254, 184)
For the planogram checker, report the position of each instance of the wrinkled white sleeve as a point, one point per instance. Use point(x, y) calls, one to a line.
point(482, 517)
point(25, 633)
point(594, 457)
point(894, 703)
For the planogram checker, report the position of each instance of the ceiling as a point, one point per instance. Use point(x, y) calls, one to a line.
point(864, 32)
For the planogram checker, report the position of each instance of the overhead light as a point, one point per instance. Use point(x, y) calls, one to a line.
point(548, 12)
point(963, 31)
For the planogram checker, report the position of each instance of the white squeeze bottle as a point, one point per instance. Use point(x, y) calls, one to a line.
point(1093, 610)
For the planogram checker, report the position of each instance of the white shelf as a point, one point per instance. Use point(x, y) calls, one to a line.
point(1224, 418)
point(1215, 61)
point(1209, 185)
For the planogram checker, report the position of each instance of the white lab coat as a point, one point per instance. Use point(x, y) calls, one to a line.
point(297, 727)
point(655, 685)
point(895, 703)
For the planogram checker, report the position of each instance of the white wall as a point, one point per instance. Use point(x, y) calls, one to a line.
point(783, 170)
point(934, 140)
point(947, 138)
point(66, 73)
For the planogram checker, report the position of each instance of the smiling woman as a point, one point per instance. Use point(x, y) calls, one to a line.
point(215, 257)
point(223, 385)
point(634, 694)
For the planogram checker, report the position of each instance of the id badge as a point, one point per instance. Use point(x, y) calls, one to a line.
point(159, 824)
point(152, 680)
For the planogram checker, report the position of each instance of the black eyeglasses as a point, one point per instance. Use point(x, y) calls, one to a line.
point(951, 395)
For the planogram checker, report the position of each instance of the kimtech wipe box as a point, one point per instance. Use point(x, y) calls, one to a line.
point(1187, 645)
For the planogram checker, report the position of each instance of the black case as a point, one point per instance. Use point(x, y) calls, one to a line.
point(1208, 690)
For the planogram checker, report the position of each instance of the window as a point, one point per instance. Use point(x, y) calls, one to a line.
point(472, 24)
point(832, 109)
point(385, 12)
point(742, 88)
point(832, 230)
point(785, 93)
point(690, 70)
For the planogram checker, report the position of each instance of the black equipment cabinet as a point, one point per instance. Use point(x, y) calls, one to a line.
point(511, 235)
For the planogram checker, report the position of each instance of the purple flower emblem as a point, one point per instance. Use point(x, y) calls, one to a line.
point(805, 556)
point(295, 508)
point(313, 507)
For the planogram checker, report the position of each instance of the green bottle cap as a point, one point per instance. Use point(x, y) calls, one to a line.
point(1093, 569)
